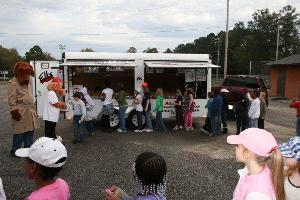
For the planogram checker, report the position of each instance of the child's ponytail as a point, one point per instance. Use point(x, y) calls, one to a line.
point(277, 173)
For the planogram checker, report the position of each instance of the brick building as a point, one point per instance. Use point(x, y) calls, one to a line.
point(285, 77)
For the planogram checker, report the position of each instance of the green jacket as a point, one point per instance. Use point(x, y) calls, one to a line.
point(159, 104)
point(121, 98)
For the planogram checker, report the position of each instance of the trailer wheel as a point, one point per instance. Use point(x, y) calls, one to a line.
point(132, 119)
point(114, 120)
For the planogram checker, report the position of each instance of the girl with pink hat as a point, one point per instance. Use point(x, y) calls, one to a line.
point(257, 148)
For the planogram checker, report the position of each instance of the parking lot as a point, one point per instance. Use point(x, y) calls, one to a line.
point(199, 167)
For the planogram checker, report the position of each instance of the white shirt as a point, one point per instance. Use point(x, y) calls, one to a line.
point(254, 110)
point(51, 113)
point(2, 194)
point(108, 96)
point(138, 103)
point(292, 192)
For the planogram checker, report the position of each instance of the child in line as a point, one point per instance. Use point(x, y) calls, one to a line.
point(208, 106)
point(43, 161)
point(150, 172)
point(139, 109)
point(121, 99)
point(159, 107)
point(296, 104)
point(178, 111)
point(53, 107)
point(79, 113)
point(291, 154)
point(90, 105)
point(189, 105)
point(263, 106)
point(254, 110)
point(255, 148)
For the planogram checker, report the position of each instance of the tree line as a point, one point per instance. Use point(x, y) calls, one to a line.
point(254, 41)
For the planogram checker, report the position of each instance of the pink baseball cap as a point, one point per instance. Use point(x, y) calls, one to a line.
point(259, 141)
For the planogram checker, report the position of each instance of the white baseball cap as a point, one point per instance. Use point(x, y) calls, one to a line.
point(224, 90)
point(45, 151)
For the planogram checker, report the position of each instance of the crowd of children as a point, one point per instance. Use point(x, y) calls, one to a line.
point(271, 171)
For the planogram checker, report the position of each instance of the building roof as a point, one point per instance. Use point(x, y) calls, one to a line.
point(291, 60)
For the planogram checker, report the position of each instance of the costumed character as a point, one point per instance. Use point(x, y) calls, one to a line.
point(53, 107)
point(22, 106)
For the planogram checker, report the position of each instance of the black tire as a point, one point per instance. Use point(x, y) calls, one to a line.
point(114, 120)
point(132, 120)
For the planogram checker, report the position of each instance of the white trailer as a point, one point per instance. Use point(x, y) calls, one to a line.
point(168, 71)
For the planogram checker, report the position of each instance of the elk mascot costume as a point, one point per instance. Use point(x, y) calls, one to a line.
point(53, 106)
point(22, 106)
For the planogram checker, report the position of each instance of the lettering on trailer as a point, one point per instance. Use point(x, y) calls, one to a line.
point(169, 107)
point(45, 77)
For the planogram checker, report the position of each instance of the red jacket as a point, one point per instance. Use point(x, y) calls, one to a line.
point(296, 105)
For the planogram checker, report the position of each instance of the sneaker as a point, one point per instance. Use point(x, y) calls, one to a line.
point(138, 131)
point(120, 130)
point(175, 128)
point(191, 128)
point(144, 130)
point(149, 130)
point(187, 128)
point(92, 134)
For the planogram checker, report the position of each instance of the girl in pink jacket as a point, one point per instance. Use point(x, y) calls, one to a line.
point(255, 148)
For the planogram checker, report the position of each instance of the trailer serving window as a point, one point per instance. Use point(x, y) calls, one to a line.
point(173, 75)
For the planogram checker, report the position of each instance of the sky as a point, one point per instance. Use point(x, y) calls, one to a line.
point(116, 25)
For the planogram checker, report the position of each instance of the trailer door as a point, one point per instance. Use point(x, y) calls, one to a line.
point(45, 71)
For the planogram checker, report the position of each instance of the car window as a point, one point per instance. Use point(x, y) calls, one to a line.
point(248, 83)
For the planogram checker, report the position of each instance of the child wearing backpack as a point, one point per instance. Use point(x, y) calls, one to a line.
point(43, 161)
point(291, 156)
point(149, 171)
point(255, 148)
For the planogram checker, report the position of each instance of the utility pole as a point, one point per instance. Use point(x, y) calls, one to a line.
point(277, 43)
point(218, 61)
point(226, 41)
point(62, 47)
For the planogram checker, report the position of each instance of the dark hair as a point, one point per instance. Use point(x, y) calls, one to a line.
point(150, 168)
point(78, 95)
point(47, 173)
point(217, 91)
point(256, 92)
point(106, 83)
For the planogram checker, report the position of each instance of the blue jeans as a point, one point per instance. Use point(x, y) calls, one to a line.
point(216, 124)
point(148, 120)
point(253, 123)
point(122, 110)
point(23, 138)
point(78, 128)
point(89, 126)
point(298, 126)
point(160, 126)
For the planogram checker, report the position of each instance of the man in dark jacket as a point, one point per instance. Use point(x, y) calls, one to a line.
point(225, 110)
point(241, 111)
point(217, 106)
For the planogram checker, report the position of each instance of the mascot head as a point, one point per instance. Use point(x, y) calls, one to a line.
point(22, 72)
point(56, 86)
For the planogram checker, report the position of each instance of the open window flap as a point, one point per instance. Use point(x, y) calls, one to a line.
point(111, 63)
point(172, 64)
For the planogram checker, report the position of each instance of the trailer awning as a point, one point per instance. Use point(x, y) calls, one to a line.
point(170, 64)
point(109, 63)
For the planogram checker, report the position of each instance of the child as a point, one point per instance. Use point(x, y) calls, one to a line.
point(256, 147)
point(149, 171)
point(178, 110)
point(263, 106)
point(159, 107)
point(43, 161)
point(121, 98)
point(146, 103)
point(2, 194)
point(138, 108)
point(216, 112)
point(241, 112)
point(207, 125)
point(189, 105)
point(291, 154)
point(108, 108)
point(296, 104)
point(79, 113)
point(254, 110)
point(52, 107)
point(90, 105)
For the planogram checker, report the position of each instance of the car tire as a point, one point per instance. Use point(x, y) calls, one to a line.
point(114, 120)
point(132, 120)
